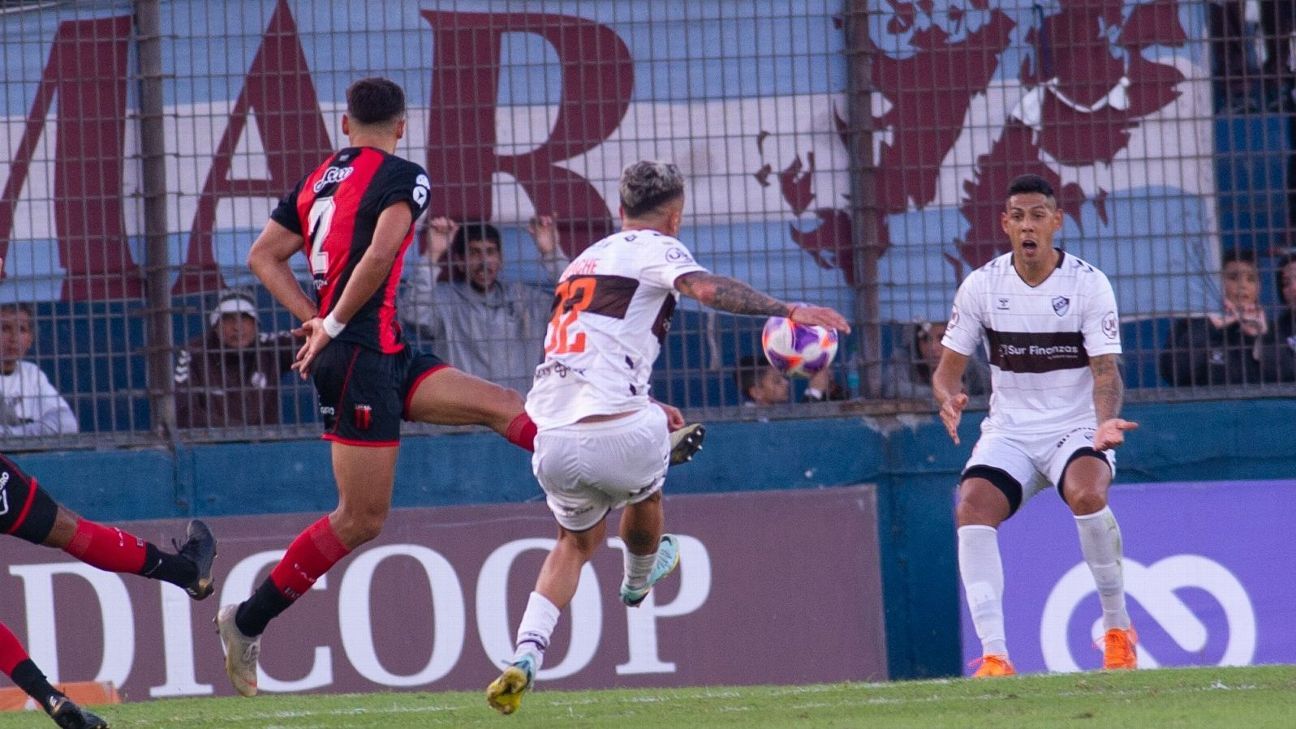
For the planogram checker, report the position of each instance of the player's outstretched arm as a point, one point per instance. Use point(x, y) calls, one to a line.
point(734, 296)
point(1108, 395)
point(947, 388)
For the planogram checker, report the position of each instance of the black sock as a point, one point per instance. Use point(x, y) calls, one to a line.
point(29, 678)
point(173, 568)
point(257, 611)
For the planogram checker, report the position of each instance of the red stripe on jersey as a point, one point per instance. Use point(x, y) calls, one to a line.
point(338, 244)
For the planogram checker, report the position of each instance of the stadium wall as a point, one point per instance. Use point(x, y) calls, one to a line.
point(909, 458)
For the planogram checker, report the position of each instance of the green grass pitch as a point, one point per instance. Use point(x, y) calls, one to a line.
point(1252, 697)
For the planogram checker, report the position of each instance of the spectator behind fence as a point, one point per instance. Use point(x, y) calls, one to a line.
point(759, 384)
point(1277, 23)
point(29, 403)
point(1226, 28)
point(229, 376)
point(1224, 348)
point(489, 328)
point(914, 359)
point(1278, 354)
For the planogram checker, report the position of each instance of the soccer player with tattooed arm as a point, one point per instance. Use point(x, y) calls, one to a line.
point(1049, 323)
point(603, 443)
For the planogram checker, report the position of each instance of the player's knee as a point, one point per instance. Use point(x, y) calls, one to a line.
point(508, 402)
point(355, 527)
point(1085, 499)
point(981, 504)
point(37, 522)
point(585, 543)
point(973, 512)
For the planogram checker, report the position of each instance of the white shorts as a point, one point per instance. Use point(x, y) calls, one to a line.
point(1034, 462)
point(588, 469)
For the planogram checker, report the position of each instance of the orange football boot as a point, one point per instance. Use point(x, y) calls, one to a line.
point(994, 665)
point(1118, 650)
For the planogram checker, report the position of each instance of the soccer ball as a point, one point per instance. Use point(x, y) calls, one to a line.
point(798, 350)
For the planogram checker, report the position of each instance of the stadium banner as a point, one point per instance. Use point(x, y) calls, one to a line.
point(1108, 100)
point(778, 587)
point(1207, 568)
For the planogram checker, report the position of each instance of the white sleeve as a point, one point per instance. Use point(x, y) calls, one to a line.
point(45, 411)
point(662, 263)
point(965, 329)
point(1101, 323)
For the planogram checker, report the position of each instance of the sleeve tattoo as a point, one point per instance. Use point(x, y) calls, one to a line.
point(731, 295)
point(1108, 388)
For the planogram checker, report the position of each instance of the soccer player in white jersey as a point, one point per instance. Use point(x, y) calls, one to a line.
point(602, 442)
point(1049, 323)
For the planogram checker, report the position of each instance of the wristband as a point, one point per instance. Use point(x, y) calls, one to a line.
point(332, 326)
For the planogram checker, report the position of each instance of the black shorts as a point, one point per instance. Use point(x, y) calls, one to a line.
point(25, 509)
point(364, 394)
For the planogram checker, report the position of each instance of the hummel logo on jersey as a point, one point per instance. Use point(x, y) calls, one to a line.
point(1003, 303)
point(1060, 305)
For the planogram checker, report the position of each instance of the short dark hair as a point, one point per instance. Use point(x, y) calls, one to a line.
point(19, 306)
point(375, 100)
point(749, 370)
point(1025, 184)
point(649, 184)
point(1238, 255)
point(469, 232)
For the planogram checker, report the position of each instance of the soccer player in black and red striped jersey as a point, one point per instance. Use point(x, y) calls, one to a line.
point(354, 216)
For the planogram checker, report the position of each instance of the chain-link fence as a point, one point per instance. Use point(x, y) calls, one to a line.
point(852, 153)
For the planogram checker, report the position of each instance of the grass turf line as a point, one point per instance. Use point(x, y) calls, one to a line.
point(1254, 697)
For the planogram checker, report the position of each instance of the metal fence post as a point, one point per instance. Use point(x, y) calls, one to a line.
point(863, 192)
point(157, 294)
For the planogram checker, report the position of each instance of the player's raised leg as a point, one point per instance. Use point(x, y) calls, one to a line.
point(115, 550)
point(364, 475)
point(37, 518)
point(1085, 484)
point(982, 507)
point(443, 395)
point(18, 666)
point(446, 396)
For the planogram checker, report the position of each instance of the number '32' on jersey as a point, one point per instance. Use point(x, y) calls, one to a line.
point(611, 311)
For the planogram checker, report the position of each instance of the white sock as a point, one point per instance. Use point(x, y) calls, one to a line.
point(537, 626)
point(982, 572)
point(1100, 542)
point(637, 568)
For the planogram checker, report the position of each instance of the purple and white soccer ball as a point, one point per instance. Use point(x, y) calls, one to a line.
point(798, 350)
